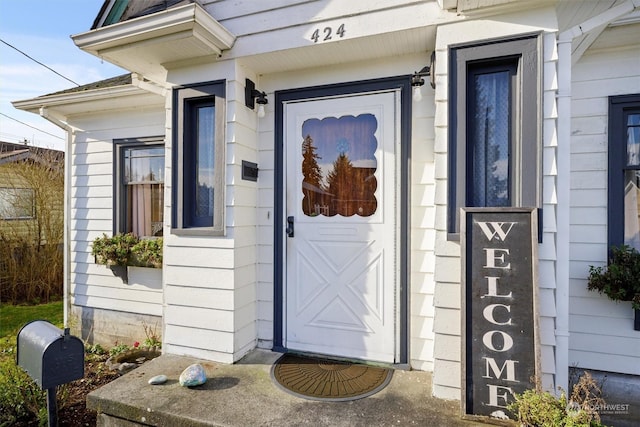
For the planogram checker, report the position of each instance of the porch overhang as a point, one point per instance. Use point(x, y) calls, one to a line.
point(152, 44)
point(66, 105)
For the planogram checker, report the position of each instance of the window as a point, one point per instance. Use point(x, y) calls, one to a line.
point(199, 159)
point(494, 139)
point(339, 165)
point(139, 189)
point(624, 170)
point(17, 203)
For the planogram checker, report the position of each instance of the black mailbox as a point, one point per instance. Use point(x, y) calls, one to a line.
point(48, 355)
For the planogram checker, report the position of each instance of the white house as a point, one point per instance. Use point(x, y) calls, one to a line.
point(523, 103)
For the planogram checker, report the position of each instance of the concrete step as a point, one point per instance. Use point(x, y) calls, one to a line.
point(243, 394)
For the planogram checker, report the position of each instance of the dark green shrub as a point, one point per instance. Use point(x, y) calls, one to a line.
point(620, 279)
point(21, 399)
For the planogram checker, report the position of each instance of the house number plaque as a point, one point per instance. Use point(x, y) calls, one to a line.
point(328, 33)
point(499, 299)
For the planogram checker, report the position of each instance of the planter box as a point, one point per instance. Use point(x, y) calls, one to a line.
point(148, 277)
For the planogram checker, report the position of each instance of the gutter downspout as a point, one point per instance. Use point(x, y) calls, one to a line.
point(564, 97)
point(70, 131)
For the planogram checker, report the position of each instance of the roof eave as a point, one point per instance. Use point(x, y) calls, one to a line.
point(143, 44)
point(68, 103)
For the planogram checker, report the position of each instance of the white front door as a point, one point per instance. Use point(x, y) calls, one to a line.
point(341, 204)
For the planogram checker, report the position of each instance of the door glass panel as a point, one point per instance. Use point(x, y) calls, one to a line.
point(489, 140)
point(339, 165)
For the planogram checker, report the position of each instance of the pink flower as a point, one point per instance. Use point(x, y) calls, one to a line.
point(136, 344)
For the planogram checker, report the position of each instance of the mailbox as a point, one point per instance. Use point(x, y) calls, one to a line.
point(50, 356)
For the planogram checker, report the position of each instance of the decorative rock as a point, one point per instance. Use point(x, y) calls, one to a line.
point(158, 379)
point(126, 367)
point(192, 376)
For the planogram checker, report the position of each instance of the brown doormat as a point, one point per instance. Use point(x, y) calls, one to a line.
point(320, 379)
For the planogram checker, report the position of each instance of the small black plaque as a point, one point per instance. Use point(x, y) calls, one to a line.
point(249, 171)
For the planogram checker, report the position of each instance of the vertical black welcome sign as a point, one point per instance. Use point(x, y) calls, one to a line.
point(499, 317)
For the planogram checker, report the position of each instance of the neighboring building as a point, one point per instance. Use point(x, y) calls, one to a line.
point(22, 188)
point(530, 99)
point(31, 223)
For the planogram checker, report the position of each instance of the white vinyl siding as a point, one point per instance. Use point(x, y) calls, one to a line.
point(601, 331)
point(260, 28)
point(94, 285)
point(447, 375)
point(210, 281)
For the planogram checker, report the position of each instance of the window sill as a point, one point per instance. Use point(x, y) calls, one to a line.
point(453, 237)
point(202, 231)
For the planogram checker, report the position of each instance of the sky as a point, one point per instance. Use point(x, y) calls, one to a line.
point(42, 30)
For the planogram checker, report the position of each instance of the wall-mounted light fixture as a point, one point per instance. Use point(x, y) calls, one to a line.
point(252, 96)
point(417, 80)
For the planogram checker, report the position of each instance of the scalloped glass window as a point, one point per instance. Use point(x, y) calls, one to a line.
point(339, 165)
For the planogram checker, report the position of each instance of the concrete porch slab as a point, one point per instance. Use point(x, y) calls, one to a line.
point(243, 394)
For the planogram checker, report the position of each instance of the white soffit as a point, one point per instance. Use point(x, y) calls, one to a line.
point(145, 44)
point(98, 100)
point(387, 45)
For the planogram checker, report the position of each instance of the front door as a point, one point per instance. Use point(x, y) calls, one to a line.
point(341, 210)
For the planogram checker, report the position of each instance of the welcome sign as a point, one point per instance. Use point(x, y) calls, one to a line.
point(499, 295)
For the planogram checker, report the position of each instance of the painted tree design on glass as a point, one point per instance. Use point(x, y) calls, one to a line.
point(346, 186)
point(312, 182)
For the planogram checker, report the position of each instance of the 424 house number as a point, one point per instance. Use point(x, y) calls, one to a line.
point(327, 34)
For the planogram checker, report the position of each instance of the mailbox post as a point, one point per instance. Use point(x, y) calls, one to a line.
point(51, 357)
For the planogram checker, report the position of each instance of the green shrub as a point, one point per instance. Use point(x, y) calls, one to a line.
point(620, 280)
point(114, 250)
point(147, 253)
point(20, 398)
point(538, 408)
point(152, 338)
point(96, 349)
point(118, 348)
point(127, 249)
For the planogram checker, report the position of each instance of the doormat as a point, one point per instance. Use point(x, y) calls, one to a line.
point(328, 380)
